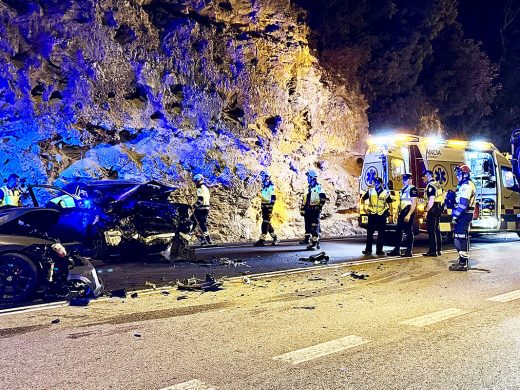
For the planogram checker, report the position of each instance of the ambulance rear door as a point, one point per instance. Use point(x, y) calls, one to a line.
point(509, 195)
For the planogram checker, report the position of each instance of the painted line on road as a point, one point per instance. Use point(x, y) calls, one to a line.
point(433, 318)
point(510, 296)
point(194, 384)
point(320, 350)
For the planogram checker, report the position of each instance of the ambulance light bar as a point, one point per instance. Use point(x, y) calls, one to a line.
point(457, 143)
point(391, 139)
point(480, 145)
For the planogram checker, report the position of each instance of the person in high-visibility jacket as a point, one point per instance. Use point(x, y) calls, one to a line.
point(201, 209)
point(407, 206)
point(267, 203)
point(10, 193)
point(433, 196)
point(311, 206)
point(462, 215)
point(378, 209)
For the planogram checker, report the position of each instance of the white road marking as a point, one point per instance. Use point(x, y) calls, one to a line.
point(319, 350)
point(510, 296)
point(194, 384)
point(432, 318)
point(29, 309)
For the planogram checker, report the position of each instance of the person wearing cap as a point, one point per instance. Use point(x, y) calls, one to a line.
point(311, 206)
point(201, 209)
point(267, 203)
point(462, 215)
point(10, 193)
point(433, 210)
point(379, 201)
point(406, 216)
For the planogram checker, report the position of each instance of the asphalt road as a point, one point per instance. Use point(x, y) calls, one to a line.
point(243, 259)
point(387, 324)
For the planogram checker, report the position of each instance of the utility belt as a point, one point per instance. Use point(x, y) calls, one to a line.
point(267, 204)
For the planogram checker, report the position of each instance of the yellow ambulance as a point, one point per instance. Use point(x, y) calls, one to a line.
point(498, 191)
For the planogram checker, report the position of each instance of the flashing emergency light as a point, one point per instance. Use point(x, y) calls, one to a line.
point(434, 141)
point(391, 139)
point(480, 145)
point(457, 143)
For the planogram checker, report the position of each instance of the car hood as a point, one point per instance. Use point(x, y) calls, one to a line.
point(38, 218)
point(148, 190)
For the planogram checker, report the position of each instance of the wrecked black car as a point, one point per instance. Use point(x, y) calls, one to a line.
point(113, 216)
point(33, 265)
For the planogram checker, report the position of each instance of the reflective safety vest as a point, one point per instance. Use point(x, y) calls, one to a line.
point(439, 192)
point(466, 190)
point(377, 202)
point(404, 197)
point(11, 197)
point(315, 192)
point(267, 194)
point(202, 192)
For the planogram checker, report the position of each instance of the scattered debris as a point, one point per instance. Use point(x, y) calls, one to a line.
point(181, 297)
point(164, 292)
point(246, 280)
point(355, 275)
point(315, 278)
point(150, 284)
point(119, 293)
point(319, 258)
point(137, 334)
point(231, 262)
point(79, 301)
point(55, 321)
point(305, 307)
point(134, 295)
point(194, 284)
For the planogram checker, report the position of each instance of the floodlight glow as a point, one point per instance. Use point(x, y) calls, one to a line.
point(480, 145)
point(434, 141)
point(457, 143)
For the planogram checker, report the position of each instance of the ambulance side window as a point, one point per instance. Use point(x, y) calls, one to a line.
point(508, 179)
point(396, 172)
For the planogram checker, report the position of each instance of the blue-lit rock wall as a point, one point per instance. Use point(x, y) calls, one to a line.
point(159, 89)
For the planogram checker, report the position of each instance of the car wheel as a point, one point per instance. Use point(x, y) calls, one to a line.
point(18, 277)
point(446, 238)
point(98, 245)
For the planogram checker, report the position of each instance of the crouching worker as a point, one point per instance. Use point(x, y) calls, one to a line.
point(377, 210)
point(313, 202)
point(10, 193)
point(268, 199)
point(201, 210)
point(462, 215)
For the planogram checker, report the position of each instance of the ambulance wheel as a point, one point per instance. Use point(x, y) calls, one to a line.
point(447, 238)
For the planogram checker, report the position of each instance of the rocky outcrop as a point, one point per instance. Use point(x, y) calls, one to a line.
point(159, 89)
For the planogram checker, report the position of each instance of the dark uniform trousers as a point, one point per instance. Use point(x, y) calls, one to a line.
point(312, 221)
point(376, 223)
point(200, 218)
point(406, 228)
point(461, 235)
point(433, 220)
point(267, 212)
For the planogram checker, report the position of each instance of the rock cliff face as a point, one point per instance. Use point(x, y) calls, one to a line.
point(163, 89)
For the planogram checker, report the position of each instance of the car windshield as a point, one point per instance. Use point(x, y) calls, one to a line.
point(100, 194)
point(52, 197)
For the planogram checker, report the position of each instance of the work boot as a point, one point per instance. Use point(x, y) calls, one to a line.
point(305, 241)
point(394, 252)
point(381, 253)
point(311, 246)
point(407, 254)
point(439, 253)
point(366, 252)
point(275, 239)
point(458, 267)
point(260, 242)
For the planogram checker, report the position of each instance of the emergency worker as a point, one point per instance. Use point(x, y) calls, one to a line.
point(10, 193)
point(407, 206)
point(378, 210)
point(312, 204)
point(201, 210)
point(268, 198)
point(462, 215)
point(433, 209)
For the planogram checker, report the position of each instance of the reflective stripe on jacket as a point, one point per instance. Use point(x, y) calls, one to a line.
point(404, 197)
point(465, 190)
point(11, 197)
point(377, 202)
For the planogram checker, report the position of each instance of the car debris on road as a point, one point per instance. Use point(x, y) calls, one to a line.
point(194, 284)
point(319, 258)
